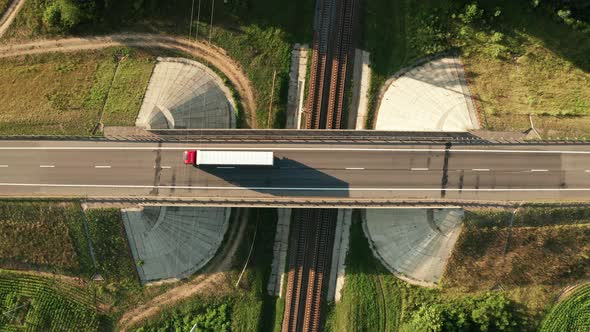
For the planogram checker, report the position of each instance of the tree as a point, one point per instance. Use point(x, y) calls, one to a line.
point(63, 15)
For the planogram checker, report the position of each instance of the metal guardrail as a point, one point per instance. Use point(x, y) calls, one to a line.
point(286, 136)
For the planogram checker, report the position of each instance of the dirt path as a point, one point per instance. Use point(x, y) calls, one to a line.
point(216, 56)
point(74, 281)
point(10, 14)
point(213, 280)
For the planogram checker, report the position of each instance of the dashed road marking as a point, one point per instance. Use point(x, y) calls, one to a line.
point(481, 169)
point(355, 168)
point(419, 169)
point(3, 166)
point(539, 170)
point(47, 166)
point(102, 166)
point(55, 185)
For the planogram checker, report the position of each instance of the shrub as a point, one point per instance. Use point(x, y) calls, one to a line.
point(490, 312)
point(63, 15)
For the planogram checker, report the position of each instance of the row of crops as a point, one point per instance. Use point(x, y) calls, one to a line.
point(31, 303)
point(571, 314)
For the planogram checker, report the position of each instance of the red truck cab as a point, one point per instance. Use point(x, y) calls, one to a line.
point(190, 157)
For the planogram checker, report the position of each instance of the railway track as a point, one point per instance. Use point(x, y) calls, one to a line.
point(312, 236)
point(309, 263)
point(331, 61)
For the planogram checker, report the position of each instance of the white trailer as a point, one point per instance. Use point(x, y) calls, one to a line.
point(234, 158)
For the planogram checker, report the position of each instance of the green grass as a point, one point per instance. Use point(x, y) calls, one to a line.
point(107, 234)
point(570, 314)
point(63, 94)
point(207, 314)
point(113, 256)
point(31, 303)
point(519, 62)
point(128, 89)
point(371, 298)
point(542, 69)
point(44, 235)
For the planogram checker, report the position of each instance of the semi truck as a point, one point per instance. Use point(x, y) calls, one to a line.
point(228, 158)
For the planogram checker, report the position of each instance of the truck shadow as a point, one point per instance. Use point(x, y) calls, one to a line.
point(286, 178)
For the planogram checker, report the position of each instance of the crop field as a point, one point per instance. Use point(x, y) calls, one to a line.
point(30, 303)
point(570, 314)
point(64, 94)
point(43, 235)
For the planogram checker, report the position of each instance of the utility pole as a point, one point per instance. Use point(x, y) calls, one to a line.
point(198, 20)
point(272, 93)
point(190, 24)
point(211, 24)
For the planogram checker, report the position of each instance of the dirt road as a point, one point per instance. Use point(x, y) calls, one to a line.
point(10, 14)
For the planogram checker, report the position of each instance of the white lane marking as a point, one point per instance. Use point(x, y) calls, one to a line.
point(102, 166)
point(284, 188)
point(295, 149)
point(539, 170)
point(419, 169)
point(3, 166)
point(225, 167)
point(47, 166)
point(355, 168)
point(481, 169)
point(588, 171)
point(163, 167)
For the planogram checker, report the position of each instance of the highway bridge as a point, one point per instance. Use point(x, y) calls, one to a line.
point(319, 172)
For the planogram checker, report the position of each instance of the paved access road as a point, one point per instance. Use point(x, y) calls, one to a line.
point(97, 169)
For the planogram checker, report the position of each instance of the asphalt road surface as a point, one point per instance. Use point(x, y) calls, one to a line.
point(118, 169)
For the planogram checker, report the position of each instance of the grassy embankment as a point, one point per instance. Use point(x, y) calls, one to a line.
point(44, 236)
point(257, 34)
point(547, 250)
point(519, 58)
point(242, 308)
point(64, 94)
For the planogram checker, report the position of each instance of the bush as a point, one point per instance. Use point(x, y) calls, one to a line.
point(490, 312)
point(62, 15)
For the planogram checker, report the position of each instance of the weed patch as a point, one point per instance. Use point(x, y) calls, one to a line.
point(48, 236)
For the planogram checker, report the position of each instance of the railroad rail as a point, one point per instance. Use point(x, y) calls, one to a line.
point(332, 51)
point(309, 262)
